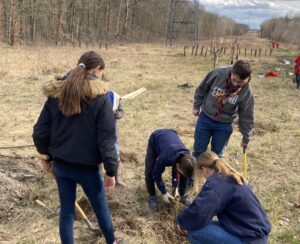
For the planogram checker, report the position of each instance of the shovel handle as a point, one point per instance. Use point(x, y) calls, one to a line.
point(44, 205)
point(82, 214)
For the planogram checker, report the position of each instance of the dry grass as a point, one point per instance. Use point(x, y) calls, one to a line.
point(273, 154)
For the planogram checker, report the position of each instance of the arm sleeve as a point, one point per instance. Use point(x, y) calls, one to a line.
point(246, 117)
point(42, 130)
point(200, 213)
point(106, 138)
point(157, 172)
point(202, 89)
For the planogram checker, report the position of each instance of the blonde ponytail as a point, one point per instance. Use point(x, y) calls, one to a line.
point(212, 161)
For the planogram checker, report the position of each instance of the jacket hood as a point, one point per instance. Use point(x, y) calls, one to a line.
point(53, 88)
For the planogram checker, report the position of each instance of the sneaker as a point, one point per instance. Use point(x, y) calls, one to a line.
point(184, 200)
point(153, 204)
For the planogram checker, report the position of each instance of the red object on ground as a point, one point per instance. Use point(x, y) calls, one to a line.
point(272, 74)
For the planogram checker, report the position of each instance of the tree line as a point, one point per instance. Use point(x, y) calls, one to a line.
point(285, 29)
point(60, 22)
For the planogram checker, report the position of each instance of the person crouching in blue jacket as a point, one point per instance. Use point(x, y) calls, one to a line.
point(227, 195)
point(166, 149)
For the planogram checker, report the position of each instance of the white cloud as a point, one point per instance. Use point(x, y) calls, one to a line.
point(252, 12)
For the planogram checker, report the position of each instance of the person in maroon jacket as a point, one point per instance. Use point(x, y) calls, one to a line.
point(297, 71)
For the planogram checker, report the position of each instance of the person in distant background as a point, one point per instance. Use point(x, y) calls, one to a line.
point(227, 195)
point(166, 149)
point(223, 95)
point(297, 71)
point(76, 129)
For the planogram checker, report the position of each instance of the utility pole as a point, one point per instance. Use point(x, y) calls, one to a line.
point(174, 22)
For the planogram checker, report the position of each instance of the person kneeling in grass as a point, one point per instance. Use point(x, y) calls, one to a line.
point(166, 149)
point(227, 195)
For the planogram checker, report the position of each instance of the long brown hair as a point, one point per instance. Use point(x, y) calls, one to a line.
point(76, 87)
point(212, 161)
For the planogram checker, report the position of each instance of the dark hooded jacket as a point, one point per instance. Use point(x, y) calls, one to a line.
point(84, 139)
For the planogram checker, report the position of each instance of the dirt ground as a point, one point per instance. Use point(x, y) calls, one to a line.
point(273, 155)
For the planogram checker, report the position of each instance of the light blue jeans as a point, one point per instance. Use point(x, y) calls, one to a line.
point(210, 130)
point(212, 234)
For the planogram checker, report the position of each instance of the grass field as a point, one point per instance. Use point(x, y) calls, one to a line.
point(273, 154)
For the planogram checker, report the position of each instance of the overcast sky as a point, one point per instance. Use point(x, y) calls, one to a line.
point(252, 12)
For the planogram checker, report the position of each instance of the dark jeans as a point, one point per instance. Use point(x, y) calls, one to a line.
point(67, 178)
point(150, 161)
point(298, 81)
point(208, 129)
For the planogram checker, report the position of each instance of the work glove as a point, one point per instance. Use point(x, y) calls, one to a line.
point(175, 192)
point(184, 200)
point(168, 198)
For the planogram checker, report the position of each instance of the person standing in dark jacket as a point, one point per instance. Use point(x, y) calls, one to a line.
point(227, 195)
point(223, 95)
point(166, 149)
point(76, 129)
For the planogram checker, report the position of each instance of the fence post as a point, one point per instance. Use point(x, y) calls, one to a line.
point(206, 51)
point(196, 51)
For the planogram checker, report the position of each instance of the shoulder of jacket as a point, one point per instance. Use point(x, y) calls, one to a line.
point(98, 87)
point(53, 88)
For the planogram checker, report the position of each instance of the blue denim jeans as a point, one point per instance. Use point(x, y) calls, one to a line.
point(298, 81)
point(212, 234)
point(67, 178)
point(210, 130)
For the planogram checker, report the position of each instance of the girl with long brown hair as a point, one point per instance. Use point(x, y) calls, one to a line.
point(76, 129)
point(227, 195)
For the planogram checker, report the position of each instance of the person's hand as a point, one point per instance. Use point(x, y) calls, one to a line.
point(196, 112)
point(244, 145)
point(168, 198)
point(109, 182)
point(181, 231)
point(46, 165)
